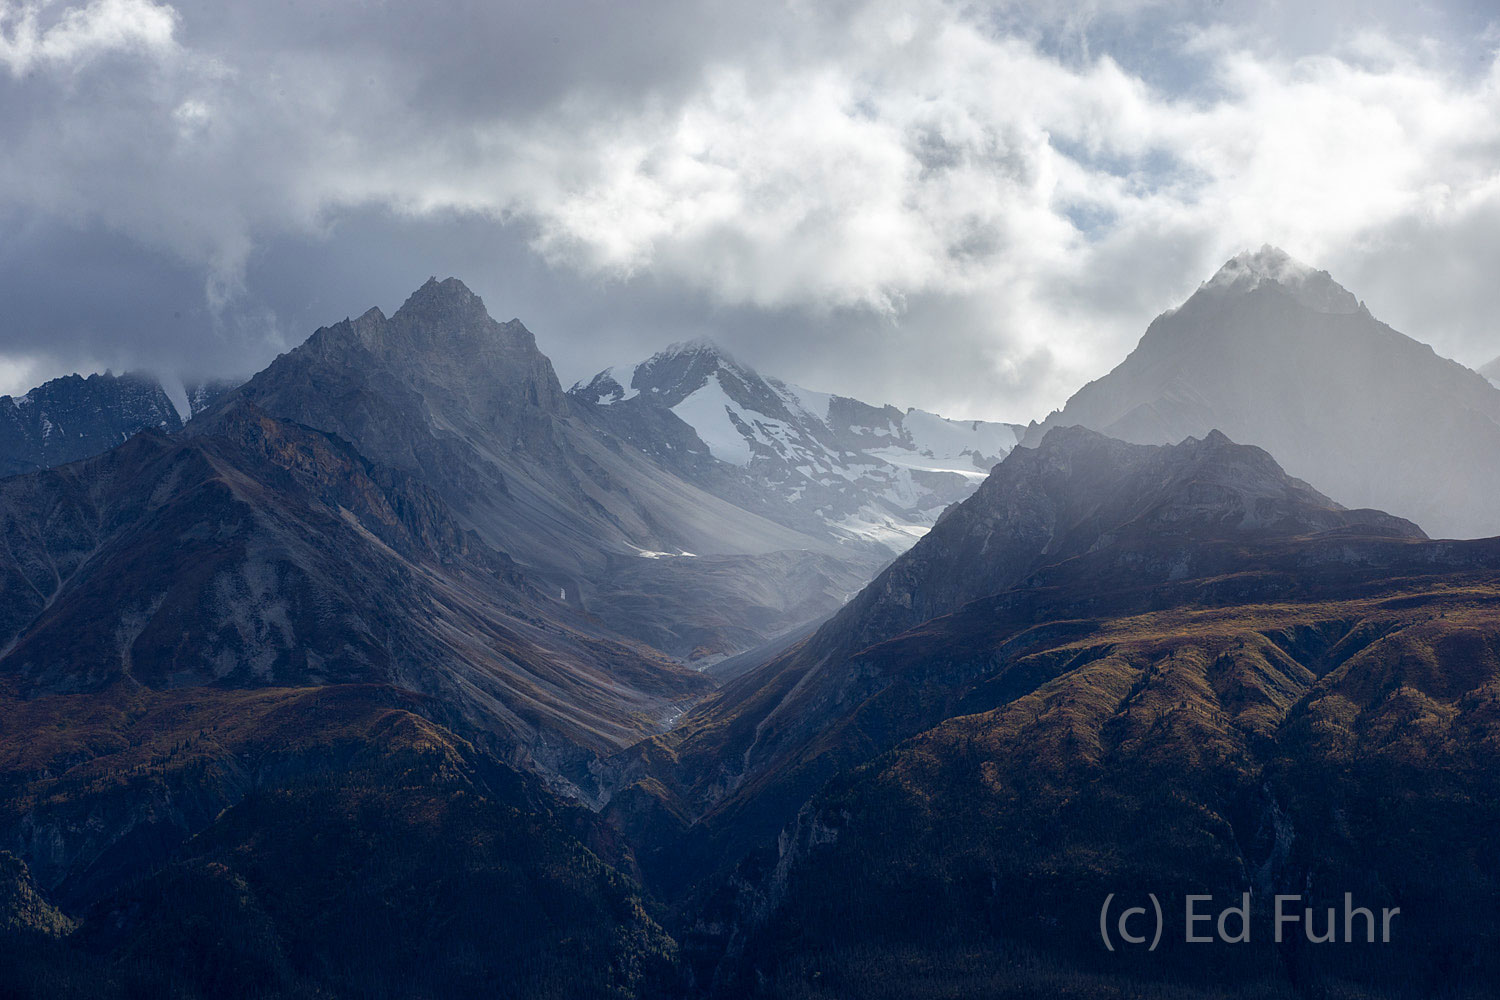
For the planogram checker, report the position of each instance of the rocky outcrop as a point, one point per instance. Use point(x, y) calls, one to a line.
point(74, 417)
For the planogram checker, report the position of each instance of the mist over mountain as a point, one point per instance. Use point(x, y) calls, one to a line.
point(1079, 527)
point(1276, 354)
point(258, 553)
point(832, 486)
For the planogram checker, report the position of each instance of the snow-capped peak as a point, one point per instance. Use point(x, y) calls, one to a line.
point(1252, 269)
point(697, 345)
point(670, 374)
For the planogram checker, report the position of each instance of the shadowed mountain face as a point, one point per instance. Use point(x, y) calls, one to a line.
point(1311, 748)
point(470, 406)
point(1277, 355)
point(257, 553)
point(298, 843)
point(1126, 515)
point(867, 476)
point(1059, 544)
point(244, 668)
point(74, 417)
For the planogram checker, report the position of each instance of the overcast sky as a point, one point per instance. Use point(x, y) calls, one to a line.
point(968, 207)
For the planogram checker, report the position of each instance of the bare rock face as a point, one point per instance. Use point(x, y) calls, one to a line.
point(74, 417)
point(1161, 512)
point(23, 909)
point(1278, 355)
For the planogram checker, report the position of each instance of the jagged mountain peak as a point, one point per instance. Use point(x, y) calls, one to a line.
point(667, 377)
point(870, 475)
point(73, 417)
point(1272, 266)
point(448, 296)
point(444, 343)
point(687, 366)
point(446, 318)
point(75, 380)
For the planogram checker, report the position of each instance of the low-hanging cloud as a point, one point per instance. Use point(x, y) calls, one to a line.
point(938, 203)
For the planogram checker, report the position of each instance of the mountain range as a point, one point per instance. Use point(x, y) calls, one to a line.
point(399, 670)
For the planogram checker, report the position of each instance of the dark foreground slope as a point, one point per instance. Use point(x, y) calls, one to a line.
point(361, 850)
point(273, 724)
point(1310, 748)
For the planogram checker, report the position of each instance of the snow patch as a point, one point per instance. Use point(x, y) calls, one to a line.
point(176, 391)
point(871, 525)
point(814, 404)
point(939, 437)
point(649, 554)
point(708, 412)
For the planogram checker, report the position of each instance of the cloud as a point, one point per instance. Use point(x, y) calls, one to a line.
point(29, 40)
point(937, 203)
